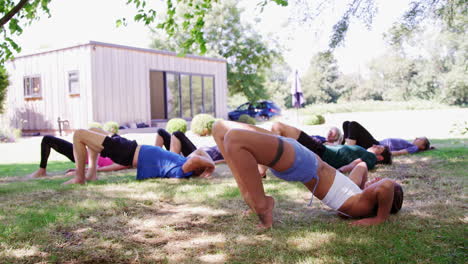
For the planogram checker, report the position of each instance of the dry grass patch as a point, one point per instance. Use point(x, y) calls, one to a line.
point(120, 220)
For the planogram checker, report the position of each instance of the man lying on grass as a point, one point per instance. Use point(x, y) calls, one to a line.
point(244, 149)
point(150, 161)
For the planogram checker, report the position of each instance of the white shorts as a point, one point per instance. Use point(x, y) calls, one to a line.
point(340, 191)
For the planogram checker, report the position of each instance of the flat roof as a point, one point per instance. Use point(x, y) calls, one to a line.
point(110, 45)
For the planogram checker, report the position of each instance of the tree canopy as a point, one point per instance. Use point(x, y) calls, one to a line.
point(16, 15)
point(247, 54)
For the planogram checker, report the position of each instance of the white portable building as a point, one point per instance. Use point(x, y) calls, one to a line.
point(100, 82)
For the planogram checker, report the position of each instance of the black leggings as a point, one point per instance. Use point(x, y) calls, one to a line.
point(187, 146)
point(61, 146)
point(312, 143)
point(354, 130)
point(166, 138)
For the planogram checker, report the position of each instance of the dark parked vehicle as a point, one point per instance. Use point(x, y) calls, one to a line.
point(262, 110)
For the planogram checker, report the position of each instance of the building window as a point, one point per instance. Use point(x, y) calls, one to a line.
point(73, 83)
point(186, 97)
point(189, 95)
point(208, 94)
point(32, 86)
point(173, 95)
point(197, 94)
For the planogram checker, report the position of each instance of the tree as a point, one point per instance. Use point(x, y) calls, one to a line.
point(14, 17)
point(437, 49)
point(247, 55)
point(320, 83)
point(3, 87)
point(18, 14)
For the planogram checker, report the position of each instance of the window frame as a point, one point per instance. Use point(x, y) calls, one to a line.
point(179, 75)
point(32, 95)
point(70, 92)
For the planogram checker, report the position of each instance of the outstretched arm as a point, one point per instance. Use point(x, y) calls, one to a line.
point(382, 192)
point(399, 152)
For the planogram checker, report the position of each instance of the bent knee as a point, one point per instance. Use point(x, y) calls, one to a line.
point(218, 128)
point(47, 138)
point(362, 164)
point(277, 127)
point(79, 134)
point(232, 139)
point(178, 134)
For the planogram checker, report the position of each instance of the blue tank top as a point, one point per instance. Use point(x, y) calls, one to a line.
point(305, 164)
point(154, 162)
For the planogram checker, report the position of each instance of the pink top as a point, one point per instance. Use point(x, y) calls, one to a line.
point(103, 162)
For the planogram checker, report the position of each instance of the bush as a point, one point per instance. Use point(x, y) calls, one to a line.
point(247, 119)
point(8, 135)
point(3, 87)
point(95, 125)
point(176, 124)
point(315, 120)
point(459, 128)
point(202, 124)
point(111, 127)
point(17, 133)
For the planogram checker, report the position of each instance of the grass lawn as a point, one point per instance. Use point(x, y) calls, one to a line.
point(120, 220)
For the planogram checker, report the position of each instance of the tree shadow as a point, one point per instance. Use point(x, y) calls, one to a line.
point(29, 119)
point(120, 220)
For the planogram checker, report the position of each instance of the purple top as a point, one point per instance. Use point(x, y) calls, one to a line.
point(214, 152)
point(396, 144)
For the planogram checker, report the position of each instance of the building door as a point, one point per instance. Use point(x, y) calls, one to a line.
point(158, 97)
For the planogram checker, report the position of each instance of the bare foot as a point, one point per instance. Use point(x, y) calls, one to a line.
point(266, 217)
point(70, 173)
point(37, 174)
point(74, 181)
point(247, 212)
point(91, 177)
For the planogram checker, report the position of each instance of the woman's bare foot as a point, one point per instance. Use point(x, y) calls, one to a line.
point(266, 217)
point(247, 212)
point(74, 181)
point(41, 172)
point(91, 176)
point(70, 173)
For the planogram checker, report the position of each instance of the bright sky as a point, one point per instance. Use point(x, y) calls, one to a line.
point(78, 21)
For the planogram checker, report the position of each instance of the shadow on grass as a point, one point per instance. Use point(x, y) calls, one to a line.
point(120, 220)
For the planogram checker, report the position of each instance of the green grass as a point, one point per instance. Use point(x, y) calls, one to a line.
point(120, 220)
point(371, 106)
point(12, 170)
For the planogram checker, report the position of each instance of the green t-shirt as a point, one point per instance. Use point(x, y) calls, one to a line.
point(341, 155)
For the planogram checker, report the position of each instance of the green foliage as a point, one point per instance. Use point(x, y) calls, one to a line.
point(17, 133)
point(4, 82)
point(6, 135)
point(370, 106)
point(14, 16)
point(43, 213)
point(314, 120)
point(95, 125)
point(459, 128)
point(202, 124)
point(247, 119)
point(176, 124)
point(320, 83)
point(111, 127)
point(247, 54)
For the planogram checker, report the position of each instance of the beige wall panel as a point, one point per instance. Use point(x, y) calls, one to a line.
point(55, 101)
point(114, 84)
